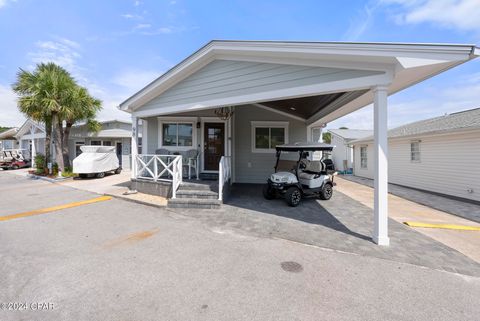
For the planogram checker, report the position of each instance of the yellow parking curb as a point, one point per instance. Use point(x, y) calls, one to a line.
point(54, 208)
point(443, 226)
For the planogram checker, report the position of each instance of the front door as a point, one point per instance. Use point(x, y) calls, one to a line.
point(214, 145)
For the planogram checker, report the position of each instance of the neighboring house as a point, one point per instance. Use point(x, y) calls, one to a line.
point(113, 133)
point(342, 154)
point(440, 155)
point(8, 140)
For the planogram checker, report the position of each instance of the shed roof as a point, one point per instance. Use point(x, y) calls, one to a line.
point(462, 120)
point(349, 134)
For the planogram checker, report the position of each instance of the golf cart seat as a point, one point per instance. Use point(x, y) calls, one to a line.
point(312, 170)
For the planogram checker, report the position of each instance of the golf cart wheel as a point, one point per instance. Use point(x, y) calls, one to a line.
point(118, 170)
point(15, 166)
point(326, 192)
point(293, 196)
point(101, 175)
point(268, 192)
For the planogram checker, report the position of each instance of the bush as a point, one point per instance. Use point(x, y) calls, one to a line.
point(68, 172)
point(40, 164)
point(55, 169)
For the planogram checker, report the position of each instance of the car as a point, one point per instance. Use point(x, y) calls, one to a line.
point(96, 161)
point(13, 159)
point(303, 177)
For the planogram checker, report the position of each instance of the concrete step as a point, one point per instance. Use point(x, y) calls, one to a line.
point(191, 186)
point(200, 194)
point(194, 203)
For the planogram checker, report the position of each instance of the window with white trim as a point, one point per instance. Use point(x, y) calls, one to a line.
point(363, 157)
point(267, 135)
point(96, 143)
point(177, 134)
point(415, 151)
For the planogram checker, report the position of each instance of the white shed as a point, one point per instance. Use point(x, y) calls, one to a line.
point(343, 152)
point(439, 155)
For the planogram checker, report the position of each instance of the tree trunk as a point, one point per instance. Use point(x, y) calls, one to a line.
point(48, 141)
point(58, 140)
point(65, 147)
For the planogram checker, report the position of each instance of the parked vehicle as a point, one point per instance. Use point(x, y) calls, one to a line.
point(96, 161)
point(13, 159)
point(302, 178)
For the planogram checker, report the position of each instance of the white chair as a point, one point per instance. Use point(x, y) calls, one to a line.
point(190, 160)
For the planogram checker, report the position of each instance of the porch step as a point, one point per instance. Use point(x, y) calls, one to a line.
point(209, 176)
point(194, 203)
point(195, 193)
point(200, 186)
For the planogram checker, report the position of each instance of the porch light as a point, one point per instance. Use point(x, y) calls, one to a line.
point(224, 113)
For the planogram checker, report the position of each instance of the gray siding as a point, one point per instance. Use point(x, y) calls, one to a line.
point(448, 164)
point(152, 135)
point(261, 164)
point(222, 78)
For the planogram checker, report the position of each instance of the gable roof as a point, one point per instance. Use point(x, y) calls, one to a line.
point(27, 125)
point(406, 63)
point(459, 121)
point(8, 134)
point(350, 134)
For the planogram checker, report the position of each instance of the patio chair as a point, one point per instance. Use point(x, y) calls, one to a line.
point(190, 160)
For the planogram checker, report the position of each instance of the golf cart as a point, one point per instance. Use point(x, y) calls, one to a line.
point(294, 180)
point(13, 159)
point(96, 161)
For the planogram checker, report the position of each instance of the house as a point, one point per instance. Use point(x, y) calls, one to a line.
point(439, 155)
point(232, 102)
point(342, 155)
point(8, 140)
point(31, 136)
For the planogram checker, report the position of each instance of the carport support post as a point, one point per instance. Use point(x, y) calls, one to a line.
point(380, 232)
point(134, 147)
point(34, 150)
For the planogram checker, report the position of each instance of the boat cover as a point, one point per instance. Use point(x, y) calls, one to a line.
point(95, 159)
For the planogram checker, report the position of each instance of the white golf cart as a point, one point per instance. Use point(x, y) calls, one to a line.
point(96, 161)
point(294, 180)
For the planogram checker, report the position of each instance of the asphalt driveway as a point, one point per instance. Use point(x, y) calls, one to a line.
point(117, 260)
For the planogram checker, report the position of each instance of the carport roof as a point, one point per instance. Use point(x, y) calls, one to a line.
point(402, 64)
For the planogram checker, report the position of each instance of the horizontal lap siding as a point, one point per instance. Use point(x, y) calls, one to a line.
point(448, 165)
point(221, 79)
point(261, 163)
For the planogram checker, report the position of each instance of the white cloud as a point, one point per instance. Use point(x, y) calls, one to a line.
point(137, 3)
point(11, 116)
point(3, 3)
point(361, 22)
point(455, 14)
point(132, 81)
point(143, 26)
point(131, 16)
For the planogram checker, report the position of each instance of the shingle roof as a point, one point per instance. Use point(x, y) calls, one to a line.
point(349, 134)
point(467, 119)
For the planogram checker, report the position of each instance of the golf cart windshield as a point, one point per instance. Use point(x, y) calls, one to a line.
point(303, 149)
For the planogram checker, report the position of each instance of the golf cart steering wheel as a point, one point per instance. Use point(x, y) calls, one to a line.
point(302, 164)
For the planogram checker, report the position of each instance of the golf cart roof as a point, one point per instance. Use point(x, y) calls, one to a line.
point(304, 146)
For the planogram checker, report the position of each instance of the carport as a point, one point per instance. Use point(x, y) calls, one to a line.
point(312, 83)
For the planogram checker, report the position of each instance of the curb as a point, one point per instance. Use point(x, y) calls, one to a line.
point(48, 179)
point(135, 201)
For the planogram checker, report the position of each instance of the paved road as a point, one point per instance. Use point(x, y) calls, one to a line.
point(117, 260)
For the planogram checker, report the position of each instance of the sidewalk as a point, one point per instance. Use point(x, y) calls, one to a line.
point(401, 210)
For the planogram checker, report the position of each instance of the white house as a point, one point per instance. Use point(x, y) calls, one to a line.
point(342, 155)
point(278, 91)
point(31, 136)
point(8, 140)
point(440, 155)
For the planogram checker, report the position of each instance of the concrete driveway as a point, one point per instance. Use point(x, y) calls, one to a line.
point(116, 260)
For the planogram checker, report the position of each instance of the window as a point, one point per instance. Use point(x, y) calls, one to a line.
point(415, 151)
point(139, 145)
point(96, 143)
point(267, 135)
point(78, 151)
point(107, 143)
point(177, 134)
point(363, 157)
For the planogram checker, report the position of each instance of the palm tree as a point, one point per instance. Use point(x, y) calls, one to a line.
point(49, 94)
point(82, 107)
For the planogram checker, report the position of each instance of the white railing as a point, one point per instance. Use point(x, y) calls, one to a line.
point(166, 168)
point(224, 174)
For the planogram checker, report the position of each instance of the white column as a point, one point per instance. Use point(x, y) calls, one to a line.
point(380, 231)
point(134, 147)
point(34, 150)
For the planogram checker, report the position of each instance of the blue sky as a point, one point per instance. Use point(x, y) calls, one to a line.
point(116, 47)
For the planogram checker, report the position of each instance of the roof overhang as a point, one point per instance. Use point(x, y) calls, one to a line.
point(27, 127)
point(402, 65)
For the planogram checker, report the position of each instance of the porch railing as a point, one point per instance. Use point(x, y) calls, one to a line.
point(166, 168)
point(224, 174)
